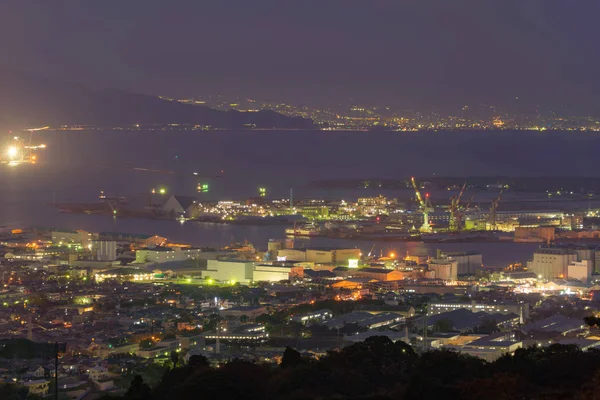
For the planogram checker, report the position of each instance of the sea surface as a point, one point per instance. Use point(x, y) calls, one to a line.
point(76, 166)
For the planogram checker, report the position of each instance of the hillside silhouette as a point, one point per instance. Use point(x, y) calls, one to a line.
point(31, 101)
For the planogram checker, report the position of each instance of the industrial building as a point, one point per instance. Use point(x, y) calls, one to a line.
point(380, 274)
point(164, 255)
point(328, 255)
point(550, 262)
point(325, 255)
point(105, 250)
point(276, 273)
point(468, 262)
point(291, 255)
point(580, 270)
point(443, 268)
point(233, 271)
point(520, 309)
point(82, 238)
point(535, 234)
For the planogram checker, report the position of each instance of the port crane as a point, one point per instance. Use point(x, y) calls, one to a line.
point(425, 204)
point(493, 210)
point(455, 215)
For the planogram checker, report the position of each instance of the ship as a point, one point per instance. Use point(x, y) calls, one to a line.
point(308, 230)
point(19, 152)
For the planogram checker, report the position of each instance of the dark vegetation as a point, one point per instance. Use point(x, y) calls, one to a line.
point(26, 349)
point(380, 369)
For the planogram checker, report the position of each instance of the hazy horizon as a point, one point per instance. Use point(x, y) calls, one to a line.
point(403, 53)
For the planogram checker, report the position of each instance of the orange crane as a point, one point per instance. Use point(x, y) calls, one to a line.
point(455, 217)
point(426, 206)
point(493, 210)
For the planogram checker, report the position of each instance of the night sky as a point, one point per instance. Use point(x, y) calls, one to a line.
point(418, 53)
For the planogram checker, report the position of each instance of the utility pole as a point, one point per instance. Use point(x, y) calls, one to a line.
point(56, 371)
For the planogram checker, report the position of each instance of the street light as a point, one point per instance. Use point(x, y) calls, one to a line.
point(12, 152)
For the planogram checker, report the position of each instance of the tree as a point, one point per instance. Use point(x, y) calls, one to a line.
point(138, 390)
point(592, 321)
point(174, 358)
point(291, 358)
point(13, 392)
point(443, 325)
point(488, 326)
point(198, 360)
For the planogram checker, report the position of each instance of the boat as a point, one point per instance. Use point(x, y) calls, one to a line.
point(309, 230)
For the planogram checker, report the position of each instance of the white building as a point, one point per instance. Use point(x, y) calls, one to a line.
point(549, 263)
point(98, 373)
point(38, 387)
point(232, 271)
point(185, 206)
point(275, 273)
point(106, 250)
point(291, 255)
point(580, 270)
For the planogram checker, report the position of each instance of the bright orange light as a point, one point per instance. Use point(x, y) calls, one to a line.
point(392, 255)
point(33, 157)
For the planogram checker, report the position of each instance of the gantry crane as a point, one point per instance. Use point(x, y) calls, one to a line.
point(455, 217)
point(493, 210)
point(426, 206)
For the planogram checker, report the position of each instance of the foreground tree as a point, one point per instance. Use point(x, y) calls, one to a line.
point(138, 390)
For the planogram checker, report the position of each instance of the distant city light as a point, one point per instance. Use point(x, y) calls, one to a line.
point(163, 191)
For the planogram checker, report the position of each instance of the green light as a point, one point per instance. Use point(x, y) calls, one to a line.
point(262, 191)
point(211, 281)
point(163, 191)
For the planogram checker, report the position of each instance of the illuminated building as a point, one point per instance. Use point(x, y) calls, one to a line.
point(63, 238)
point(331, 255)
point(549, 263)
point(520, 309)
point(229, 271)
point(580, 270)
point(275, 273)
point(310, 317)
point(164, 255)
point(380, 274)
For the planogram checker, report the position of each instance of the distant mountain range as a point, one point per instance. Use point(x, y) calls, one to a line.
point(31, 101)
